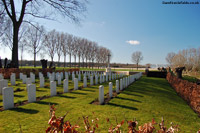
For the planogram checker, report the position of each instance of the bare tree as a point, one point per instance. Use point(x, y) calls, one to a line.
point(93, 49)
point(69, 46)
point(106, 56)
point(137, 58)
point(179, 60)
point(33, 40)
point(22, 48)
point(58, 46)
point(99, 56)
point(80, 43)
point(83, 50)
point(75, 47)
point(30, 9)
point(49, 44)
point(7, 36)
point(63, 38)
point(169, 57)
point(88, 46)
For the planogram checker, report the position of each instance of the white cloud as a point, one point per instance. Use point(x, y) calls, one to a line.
point(133, 42)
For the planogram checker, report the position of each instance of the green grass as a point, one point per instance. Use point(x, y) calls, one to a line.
point(190, 78)
point(145, 99)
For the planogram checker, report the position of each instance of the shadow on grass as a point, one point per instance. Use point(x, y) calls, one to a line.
point(41, 90)
point(46, 103)
point(15, 95)
point(88, 90)
point(67, 96)
point(132, 94)
point(73, 92)
point(128, 99)
point(23, 110)
point(122, 106)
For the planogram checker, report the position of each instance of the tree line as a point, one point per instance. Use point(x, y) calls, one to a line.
point(26, 11)
point(188, 58)
point(36, 40)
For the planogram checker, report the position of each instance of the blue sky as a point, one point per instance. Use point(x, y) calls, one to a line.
point(158, 27)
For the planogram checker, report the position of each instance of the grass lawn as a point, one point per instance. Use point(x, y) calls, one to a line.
point(190, 78)
point(145, 99)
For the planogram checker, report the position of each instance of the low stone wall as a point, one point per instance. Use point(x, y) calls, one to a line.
point(157, 74)
point(187, 90)
point(8, 71)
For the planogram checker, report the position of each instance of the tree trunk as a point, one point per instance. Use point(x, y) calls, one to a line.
point(92, 64)
point(21, 55)
point(79, 60)
point(70, 60)
point(34, 58)
point(86, 62)
point(15, 60)
point(137, 66)
point(64, 60)
point(83, 62)
point(75, 61)
point(59, 61)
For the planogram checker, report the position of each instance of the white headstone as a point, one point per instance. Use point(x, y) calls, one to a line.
point(41, 81)
point(32, 76)
point(12, 79)
point(84, 82)
point(61, 74)
point(96, 80)
point(21, 76)
point(106, 77)
point(117, 86)
point(65, 86)
point(103, 78)
point(53, 88)
point(100, 79)
point(3, 83)
point(91, 81)
point(8, 98)
point(110, 89)
point(31, 93)
point(121, 84)
point(40, 75)
point(124, 83)
point(53, 74)
point(48, 74)
point(28, 81)
point(73, 76)
point(75, 84)
point(128, 81)
point(1, 76)
point(79, 76)
point(57, 74)
point(24, 77)
point(59, 80)
point(51, 78)
point(101, 94)
point(110, 76)
point(66, 75)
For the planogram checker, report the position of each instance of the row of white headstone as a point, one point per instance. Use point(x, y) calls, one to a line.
point(8, 92)
point(124, 82)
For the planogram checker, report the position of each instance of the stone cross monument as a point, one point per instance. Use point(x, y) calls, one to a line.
point(108, 69)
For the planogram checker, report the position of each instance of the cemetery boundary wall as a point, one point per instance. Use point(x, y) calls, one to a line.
point(189, 91)
point(8, 71)
point(157, 74)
